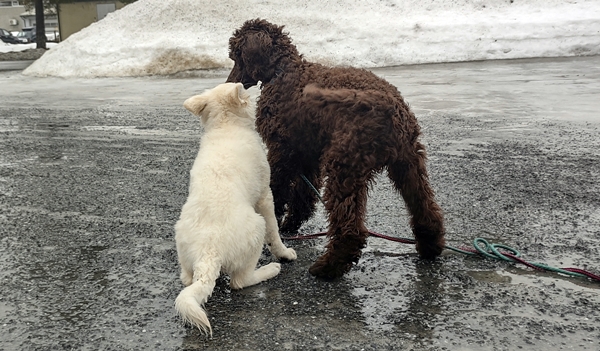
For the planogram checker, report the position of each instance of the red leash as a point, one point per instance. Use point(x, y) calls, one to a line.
point(504, 255)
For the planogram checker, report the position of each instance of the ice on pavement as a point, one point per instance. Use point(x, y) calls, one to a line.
point(158, 37)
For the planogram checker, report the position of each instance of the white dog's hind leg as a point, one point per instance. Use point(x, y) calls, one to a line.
point(251, 277)
point(266, 208)
point(186, 277)
point(246, 274)
point(190, 300)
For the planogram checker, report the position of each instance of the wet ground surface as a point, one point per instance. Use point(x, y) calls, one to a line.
point(93, 174)
point(14, 65)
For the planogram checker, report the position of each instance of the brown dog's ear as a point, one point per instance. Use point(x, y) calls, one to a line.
point(195, 104)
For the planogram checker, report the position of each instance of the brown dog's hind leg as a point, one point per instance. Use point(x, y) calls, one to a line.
point(345, 202)
point(427, 221)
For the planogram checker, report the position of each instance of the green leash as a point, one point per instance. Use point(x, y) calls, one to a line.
point(482, 248)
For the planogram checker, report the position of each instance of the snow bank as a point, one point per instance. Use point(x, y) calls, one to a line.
point(158, 37)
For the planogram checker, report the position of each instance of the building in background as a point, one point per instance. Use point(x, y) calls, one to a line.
point(15, 18)
point(50, 22)
point(10, 15)
point(61, 20)
point(75, 16)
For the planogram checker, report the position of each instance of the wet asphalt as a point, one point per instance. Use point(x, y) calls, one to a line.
point(93, 174)
point(14, 65)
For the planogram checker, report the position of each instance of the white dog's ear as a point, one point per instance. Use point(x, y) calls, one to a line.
point(241, 95)
point(195, 104)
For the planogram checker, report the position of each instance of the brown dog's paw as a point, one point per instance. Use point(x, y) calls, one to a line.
point(430, 240)
point(325, 269)
point(430, 250)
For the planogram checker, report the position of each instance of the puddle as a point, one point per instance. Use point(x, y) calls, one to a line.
point(490, 276)
point(534, 278)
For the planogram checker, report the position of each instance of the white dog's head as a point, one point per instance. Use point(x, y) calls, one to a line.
point(225, 102)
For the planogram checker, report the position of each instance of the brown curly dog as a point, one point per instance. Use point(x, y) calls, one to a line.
point(338, 127)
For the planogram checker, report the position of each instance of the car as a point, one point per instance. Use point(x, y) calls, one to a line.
point(27, 35)
point(7, 37)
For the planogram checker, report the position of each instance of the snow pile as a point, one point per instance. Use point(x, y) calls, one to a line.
point(158, 37)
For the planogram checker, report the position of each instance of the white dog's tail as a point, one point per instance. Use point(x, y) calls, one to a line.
point(190, 300)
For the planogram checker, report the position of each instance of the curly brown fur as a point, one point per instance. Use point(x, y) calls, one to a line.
point(339, 127)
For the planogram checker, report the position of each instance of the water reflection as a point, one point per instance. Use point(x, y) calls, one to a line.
point(58, 274)
point(401, 295)
point(55, 143)
point(426, 302)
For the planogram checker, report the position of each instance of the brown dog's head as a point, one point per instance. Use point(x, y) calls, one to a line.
point(258, 49)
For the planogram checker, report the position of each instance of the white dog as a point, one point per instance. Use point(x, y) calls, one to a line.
point(229, 213)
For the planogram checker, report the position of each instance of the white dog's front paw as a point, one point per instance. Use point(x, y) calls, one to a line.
point(288, 254)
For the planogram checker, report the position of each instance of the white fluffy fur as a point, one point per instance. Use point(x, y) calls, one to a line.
point(229, 213)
